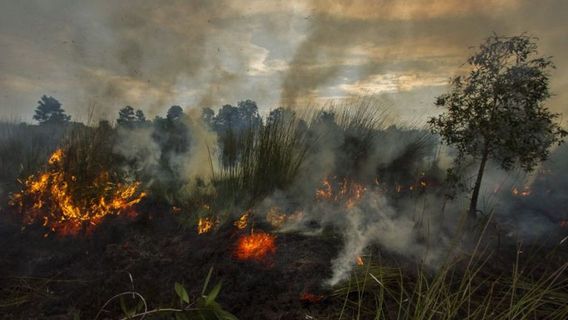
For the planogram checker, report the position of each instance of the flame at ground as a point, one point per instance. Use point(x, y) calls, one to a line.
point(344, 192)
point(48, 198)
point(205, 225)
point(255, 246)
point(242, 222)
point(525, 192)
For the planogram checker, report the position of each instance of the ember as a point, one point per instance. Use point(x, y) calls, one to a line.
point(255, 246)
point(310, 297)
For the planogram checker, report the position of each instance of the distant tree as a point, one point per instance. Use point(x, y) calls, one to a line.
point(49, 111)
point(129, 117)
point(280, 114)
point(174, 113)
point(126, 115)
point(248, 114)
point(239, 118)
point(207, 115)
point(496, 111)
point(171, 134)
point(226, 118)
point(140, 117)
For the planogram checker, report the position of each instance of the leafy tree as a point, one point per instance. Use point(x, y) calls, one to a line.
point(207, 115)
point(174, 113)
point(49, 111)
point(128, 117)
point(496, 111)
point(238, 119)
point(140, 117)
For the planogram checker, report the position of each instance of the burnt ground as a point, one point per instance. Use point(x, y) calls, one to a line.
point(53, 278)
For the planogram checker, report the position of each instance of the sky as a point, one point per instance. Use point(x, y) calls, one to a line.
point(98, 56)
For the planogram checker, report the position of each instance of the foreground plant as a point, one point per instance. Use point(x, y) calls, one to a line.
point(455, 291)
point(204, 307)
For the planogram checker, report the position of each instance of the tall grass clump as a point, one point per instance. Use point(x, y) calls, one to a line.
point(466, 288)
point(24, 149)
point(269, 158)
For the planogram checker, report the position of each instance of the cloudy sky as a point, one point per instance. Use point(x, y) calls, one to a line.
point(102, 55)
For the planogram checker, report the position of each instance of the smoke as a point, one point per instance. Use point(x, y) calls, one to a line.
point(138, 146)
point(201, 161)
point(529, 206)
point(375, 222)
point(413, 227)
point(154, 164)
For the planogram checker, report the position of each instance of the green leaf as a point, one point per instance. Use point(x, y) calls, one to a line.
point(225, 315)
point(181, 292)
point(207, 281)
point(129, 313)
point(181, 316)
point(213, 294)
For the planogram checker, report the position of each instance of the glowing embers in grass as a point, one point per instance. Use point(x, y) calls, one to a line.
point(521, 192)
point(255, 246)
point(59, 202)
point(205, 225)
point(243, 220)
point(307, 297)
point(343, 192)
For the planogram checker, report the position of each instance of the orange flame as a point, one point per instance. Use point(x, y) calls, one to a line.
point(525, 192)
point(255, 246)
point(53, 203)
point(205, 225)
point(359, 261)
point(347, 192)
point(242, 222)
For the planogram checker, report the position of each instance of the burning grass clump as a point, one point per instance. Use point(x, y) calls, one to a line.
point(78, 188)
point(255, 246)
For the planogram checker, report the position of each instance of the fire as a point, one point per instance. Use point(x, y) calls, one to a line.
point(255, 246)
point(55, 203)
point(242, 222)
point(205, 225)
point(275, 217)
point(359, 261)
point(346, 192)
point(525, 192)
point(310, 297)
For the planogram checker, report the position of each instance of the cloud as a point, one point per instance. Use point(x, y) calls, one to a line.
point(205, 53)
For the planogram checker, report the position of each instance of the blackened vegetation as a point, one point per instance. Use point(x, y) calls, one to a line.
point(71, 275)
point(252, 164)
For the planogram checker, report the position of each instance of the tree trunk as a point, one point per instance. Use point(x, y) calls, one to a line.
point(475, 195)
